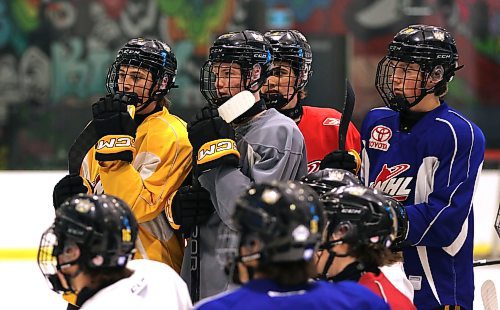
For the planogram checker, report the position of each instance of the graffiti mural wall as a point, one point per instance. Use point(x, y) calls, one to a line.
point(54, 56)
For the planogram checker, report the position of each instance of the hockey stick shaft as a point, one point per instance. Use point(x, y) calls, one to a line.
point(349, 102)
point(195, 248)
point(485, 262)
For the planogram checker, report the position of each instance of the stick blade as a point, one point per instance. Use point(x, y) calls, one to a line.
point(236, 106)
point(489, 295)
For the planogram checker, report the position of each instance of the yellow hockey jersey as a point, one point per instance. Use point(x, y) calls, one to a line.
point(161, 163)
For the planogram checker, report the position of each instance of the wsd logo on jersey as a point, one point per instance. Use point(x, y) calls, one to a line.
point(388, 182)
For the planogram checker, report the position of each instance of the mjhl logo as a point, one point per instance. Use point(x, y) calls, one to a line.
point(388, 182)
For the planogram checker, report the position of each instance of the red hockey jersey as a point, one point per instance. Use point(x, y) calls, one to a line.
point(320, 128)
point(381, 286)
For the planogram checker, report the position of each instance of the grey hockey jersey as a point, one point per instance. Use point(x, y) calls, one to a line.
point(271, 149)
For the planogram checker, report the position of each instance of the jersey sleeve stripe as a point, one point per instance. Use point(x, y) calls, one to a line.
point(455, 150)
point(472, 138)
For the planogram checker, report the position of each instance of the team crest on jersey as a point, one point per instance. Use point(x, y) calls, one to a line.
point(380, 137)
point(389, 182)
point(97, 185)
point(330, 121)
point(313, 166)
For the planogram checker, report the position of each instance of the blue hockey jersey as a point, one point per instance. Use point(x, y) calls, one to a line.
point(266, 294)
point(433, 170)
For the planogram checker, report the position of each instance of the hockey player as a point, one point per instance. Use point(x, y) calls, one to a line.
point(325, 180)
point(360, 228)
point(264, 144)
point(279, 229)
point(428, 156)
point(141, 160)
point(285, 90)
point(87, 251)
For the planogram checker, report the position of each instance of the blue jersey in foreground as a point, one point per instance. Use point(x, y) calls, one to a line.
point(432, 170)
point(266, 294)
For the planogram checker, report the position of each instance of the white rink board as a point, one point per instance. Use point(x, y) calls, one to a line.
point(27, 211)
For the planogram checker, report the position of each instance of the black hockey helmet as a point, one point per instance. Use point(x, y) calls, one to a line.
point(361, 214)
point(101, 226)
point(433, 49)
point(327, 179)
point(243, 51)
point(284, 218)
point(152, 55)
point(289, 46)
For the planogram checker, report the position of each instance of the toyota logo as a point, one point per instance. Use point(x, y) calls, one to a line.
point(381, 133)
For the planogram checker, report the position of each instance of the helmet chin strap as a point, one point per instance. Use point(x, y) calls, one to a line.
point(294, 113)
point(68, 277)
point(331, 256)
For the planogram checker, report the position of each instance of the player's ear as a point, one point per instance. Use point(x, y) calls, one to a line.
point(255, 73)
point(436, 75)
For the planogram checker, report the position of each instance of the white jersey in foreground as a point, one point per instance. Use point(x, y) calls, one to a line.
point(396, 275)
point(153, 285)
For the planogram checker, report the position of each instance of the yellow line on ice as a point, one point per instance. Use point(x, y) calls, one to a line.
point(18, 254)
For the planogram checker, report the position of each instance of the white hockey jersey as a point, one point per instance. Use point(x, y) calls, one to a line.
point(153, 285)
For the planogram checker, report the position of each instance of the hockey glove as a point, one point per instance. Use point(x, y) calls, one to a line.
point(67, 187)
point(190, 206)
point(340, 159)
point(213, 141)
point(402, 228)
point(115, 129)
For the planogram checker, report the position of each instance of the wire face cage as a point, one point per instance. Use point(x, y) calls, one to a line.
point(400, 84)
point(220, 81)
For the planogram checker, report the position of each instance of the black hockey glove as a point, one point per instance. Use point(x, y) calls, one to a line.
point(191, 206)
point(67, 187)
point(340, 159)
point(115, 128)
point(213, 141)
point(400, 242)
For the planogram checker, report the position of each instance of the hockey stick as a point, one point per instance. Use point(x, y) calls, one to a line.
point(229, 111)
point(489, 295)
point(350, 99)
point(485, 262)
point(497, 222)
point(84, 142)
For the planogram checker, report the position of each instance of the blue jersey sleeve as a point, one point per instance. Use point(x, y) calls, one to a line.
point(445, 185)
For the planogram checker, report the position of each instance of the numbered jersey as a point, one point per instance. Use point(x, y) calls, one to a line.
point(320, 128)
point(432, 169)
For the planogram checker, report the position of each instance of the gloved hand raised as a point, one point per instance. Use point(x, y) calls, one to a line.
point(213, 141)
point(115, 128)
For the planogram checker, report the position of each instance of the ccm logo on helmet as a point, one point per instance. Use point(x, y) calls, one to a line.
point(115, 142)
